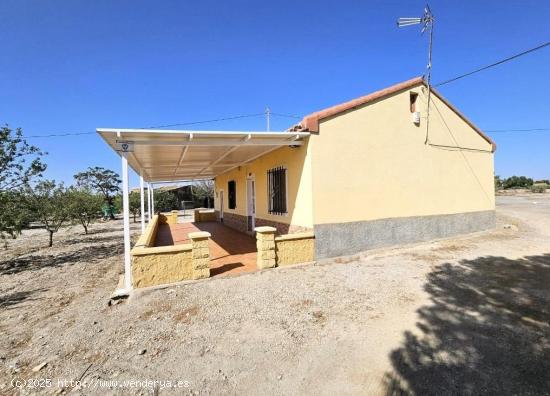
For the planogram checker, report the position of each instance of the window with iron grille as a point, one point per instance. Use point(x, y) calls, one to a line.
point(232, 194)
point(276, 189)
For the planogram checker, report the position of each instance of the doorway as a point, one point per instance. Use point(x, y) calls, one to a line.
point(251, 203)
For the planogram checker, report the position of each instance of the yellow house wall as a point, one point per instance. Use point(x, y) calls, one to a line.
point(373, 163)
point(298, 164)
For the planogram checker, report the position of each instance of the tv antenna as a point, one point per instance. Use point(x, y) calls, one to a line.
point(427, 21)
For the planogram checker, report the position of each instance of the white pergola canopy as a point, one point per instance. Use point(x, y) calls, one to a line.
point(173, 155)
point(167, 156)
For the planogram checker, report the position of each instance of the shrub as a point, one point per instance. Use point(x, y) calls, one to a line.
point(539, 188)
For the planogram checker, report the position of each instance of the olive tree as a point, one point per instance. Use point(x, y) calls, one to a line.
point(165, 201)
point(14, 215)
point(85, 206)
point(134, 200)
point(203, 190)
point(103, 181)
point(20, 163)
point(50, 204)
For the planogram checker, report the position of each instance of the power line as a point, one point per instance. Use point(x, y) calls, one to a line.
point(90, 133)
point(517, 130)
point(206, 121)
point(59, 135)
point(151, 127)
point(285, 115)
point(493, 64)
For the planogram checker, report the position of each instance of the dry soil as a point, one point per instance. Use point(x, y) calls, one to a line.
point(467, 315)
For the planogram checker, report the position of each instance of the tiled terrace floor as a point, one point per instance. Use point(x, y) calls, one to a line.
point(231, 252)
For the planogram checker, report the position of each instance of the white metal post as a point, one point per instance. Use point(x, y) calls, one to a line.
point(142, 202)
point(149, 201)
point(126, 213)
point(152, 199)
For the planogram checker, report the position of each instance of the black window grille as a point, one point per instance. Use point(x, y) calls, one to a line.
point(232, 194)
point(276, 185)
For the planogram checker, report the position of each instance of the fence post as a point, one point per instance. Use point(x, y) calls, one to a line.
point(265, 244)
point(201, 254)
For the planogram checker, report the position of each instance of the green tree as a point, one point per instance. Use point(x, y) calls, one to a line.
point(85, 206)
point(14, 215)
point(498, 183)
point(101, 180)
point(50, 203)
point(165, 201)
point(517, 182)
point(20, 163)
point(135, 203)
point(203, 191)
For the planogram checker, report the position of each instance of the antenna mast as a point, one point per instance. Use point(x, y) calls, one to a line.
point(267, 117)
point(427, 21)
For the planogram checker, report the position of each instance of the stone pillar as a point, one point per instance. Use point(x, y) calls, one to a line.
point(265, 244)
point(197, 216)
point(201, 254)
point(175, 216)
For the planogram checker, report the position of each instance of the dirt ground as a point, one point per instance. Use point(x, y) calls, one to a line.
point(468, 315)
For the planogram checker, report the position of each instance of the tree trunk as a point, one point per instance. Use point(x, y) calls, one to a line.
point(111, 208)
point(84, 225)
point(51, 238)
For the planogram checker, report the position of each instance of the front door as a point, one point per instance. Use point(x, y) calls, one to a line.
point(251, 203)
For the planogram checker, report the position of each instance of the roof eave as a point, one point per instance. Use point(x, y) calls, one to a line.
point(310, 123)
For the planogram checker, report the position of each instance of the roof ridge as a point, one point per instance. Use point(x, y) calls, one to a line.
point(310, 123)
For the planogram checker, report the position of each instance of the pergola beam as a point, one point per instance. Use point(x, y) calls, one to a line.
point(178, 132)
point(221, 157)
point(216, 142)
point(225, 154)
point(183, 154)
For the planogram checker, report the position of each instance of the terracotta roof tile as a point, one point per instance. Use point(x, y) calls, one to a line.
point(311, 122)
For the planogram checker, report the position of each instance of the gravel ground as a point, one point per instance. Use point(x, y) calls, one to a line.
point(467, 315)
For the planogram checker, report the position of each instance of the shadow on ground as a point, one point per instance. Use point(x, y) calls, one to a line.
point(12, 299)
point(488, 331)
point(86, 254)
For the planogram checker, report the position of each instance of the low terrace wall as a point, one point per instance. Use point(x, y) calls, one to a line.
point(283, 250)
point(204, 215)
point(156, 265)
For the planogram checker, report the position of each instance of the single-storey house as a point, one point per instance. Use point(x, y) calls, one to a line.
point(379, 170)
point(372, 173)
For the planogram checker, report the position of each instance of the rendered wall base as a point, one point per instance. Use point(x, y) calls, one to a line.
point(235, 221)
point(282, 228)
point(240, 223)
point(342, 239)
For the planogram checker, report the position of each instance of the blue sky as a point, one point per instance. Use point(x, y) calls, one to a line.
point(73, 66)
